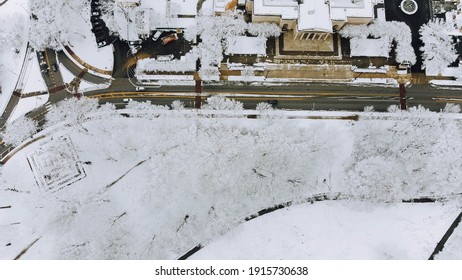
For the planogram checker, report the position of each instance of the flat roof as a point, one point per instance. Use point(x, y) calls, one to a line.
point(342, 9)
point(314, 15)
point(287, 9)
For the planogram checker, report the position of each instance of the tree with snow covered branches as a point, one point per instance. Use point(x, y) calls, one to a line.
point(55, 22)
point(264, 29)
point(72, 111)
point(12, 31)
point(219, 102)
point(438, 49)
point(19, 130)
point(399, 32)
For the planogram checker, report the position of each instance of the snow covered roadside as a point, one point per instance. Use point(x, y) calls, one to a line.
point(176, 181)
point(388, 82)
point(337, 230)
point(33, 77)
point(85, 46)
point(28, 104)
point(446, 83)
point(14, 20)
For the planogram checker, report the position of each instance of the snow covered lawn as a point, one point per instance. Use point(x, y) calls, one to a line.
point(337, 230)
point(28, 104)
point(163, 181)
point(85, 46)
point(13, 22)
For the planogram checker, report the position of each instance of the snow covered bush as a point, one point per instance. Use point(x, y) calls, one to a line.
point(72, 111)
point(369, 109)
point(264, 29)
point(19, 130)
point(438, 49)
point(146, 109)
point(219, 102)
point(399, 32)
point(264, 106)
point(177, 105)
point(452, 108)
point(393, 109)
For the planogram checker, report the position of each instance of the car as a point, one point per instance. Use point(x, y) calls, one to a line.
point(41, 55)
point(156, 35)
point(95, 19)
point(140, 88)
point(96, 13)
point(102, 43)
point(169, 38)
point(98, 23)
point(101, 39)
point(164, 57)
point(272, 102)
point(54, 67)
point(101, 34)
point(44, 68)
point(134, 43)
point(97, 28)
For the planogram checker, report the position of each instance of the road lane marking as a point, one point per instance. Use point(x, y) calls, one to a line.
point(242, 95)
point(50, 72)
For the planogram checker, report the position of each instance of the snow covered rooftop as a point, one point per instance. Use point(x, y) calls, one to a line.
point(314, 16)
point(287, 9)
point(342, 9)
point(246, 45)
point(370, 47)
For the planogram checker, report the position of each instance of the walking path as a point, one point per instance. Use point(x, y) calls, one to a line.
point(439, 247)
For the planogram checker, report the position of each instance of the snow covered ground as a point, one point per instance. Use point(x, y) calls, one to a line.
point(161, 182)
point(85, 46)
point(10, 61)
point(33, 77)
point(337, 230)
point(28, 104)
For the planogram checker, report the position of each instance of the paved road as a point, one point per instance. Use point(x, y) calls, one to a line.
point(331, 96)
point(301, 97)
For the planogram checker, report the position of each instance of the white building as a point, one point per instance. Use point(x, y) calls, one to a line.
point(311, 16)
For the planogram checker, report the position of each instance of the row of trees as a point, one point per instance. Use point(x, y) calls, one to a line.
point(393, 31)
point(74, 112)
point(437, 50)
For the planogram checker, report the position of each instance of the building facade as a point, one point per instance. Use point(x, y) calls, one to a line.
point(311, 18)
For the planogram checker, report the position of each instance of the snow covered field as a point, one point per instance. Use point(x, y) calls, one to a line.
point(13, 20)
point(337, 230)
point(85, 46)
point(164, 181)
point(27, 104)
